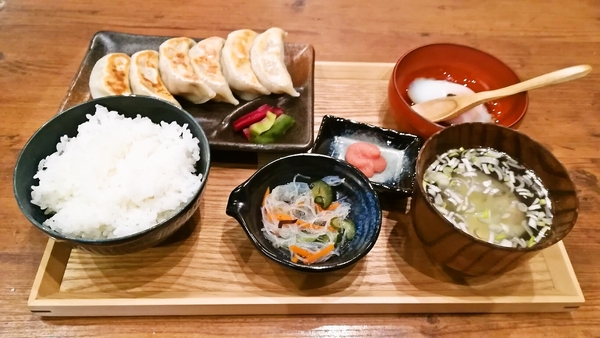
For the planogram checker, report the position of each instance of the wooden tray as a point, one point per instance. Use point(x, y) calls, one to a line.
point(211, 268)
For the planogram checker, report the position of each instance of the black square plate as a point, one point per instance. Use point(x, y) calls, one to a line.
point(216, 118)
point(399, 149)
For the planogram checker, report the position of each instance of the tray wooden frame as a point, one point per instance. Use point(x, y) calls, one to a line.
point(564, 293)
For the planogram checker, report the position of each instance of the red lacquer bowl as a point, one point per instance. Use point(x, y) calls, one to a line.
point(460, 64)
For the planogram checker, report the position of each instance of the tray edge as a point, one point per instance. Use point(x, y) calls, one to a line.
point(57, 254)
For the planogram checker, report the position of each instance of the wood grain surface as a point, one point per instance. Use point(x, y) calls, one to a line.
point(42, 43)
point(179, 277)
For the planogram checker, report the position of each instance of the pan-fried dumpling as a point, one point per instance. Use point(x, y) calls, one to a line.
point(110, 76)
point(145, 78)
point(205, 57)
point(267, 60)
point(177, 73)
point(235, 60)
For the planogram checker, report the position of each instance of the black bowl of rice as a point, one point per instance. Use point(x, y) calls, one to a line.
point(113, 175)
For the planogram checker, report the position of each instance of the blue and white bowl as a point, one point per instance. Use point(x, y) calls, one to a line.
point(245, 203)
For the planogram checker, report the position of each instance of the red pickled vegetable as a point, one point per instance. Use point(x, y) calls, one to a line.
point(276, 110)
point(246, 132)
point(251, 118)
point(255, 116)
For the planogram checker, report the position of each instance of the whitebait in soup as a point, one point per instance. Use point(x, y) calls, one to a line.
point(489, 195)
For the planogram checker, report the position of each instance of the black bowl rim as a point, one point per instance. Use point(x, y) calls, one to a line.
point(398, 92)
point(310, 268)
point(111, 241)
point(540, 246)
point(405, 192)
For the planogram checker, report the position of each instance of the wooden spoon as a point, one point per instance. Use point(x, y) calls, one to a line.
point(452, 106)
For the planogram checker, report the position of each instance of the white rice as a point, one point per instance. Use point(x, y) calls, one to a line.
point(117, 177)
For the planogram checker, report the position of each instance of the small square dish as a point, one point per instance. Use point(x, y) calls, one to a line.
point(216, 118)
point(399, 150)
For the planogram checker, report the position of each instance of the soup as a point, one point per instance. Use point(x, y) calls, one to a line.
point(490, 196)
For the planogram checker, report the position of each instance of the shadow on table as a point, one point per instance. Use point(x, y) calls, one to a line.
point(132, 271)
point(269, 276)
point(419, 271)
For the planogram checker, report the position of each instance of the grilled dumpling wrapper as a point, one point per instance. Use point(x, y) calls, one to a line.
point(205, 57)
point(145, 78)
point(110, 76)
point(267, 60)
point(235, 60)
point(177, 73)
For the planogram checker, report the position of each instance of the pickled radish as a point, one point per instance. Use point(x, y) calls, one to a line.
point(366, 157)
point(423, 90)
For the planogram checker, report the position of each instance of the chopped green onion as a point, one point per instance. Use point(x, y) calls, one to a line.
point(457, 182)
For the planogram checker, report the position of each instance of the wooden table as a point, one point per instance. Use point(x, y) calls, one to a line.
point(42, 43)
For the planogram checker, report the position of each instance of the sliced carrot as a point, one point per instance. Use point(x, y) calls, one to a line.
point(299, 251)
point(267, 192)
point(305, 225)
point(270, 216)
point(294, 259)
point(315, 257)
point(283, 217)
point(331, 207)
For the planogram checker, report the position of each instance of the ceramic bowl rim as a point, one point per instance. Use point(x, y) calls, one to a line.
point(118, 240)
